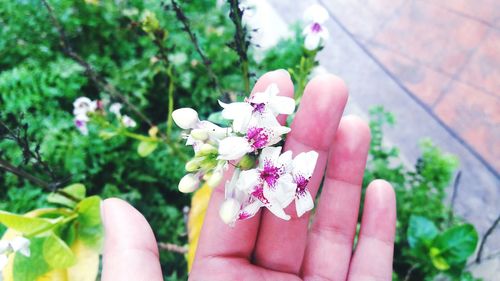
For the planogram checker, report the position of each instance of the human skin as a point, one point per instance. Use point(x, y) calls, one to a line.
point(266, 247)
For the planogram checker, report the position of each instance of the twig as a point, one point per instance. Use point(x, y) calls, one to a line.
point(172, 248)
point(181, 16)
point(240, 43)
point(410, 271)
point(485, 237)
point(99, 81)
point(454, 195)
point(6, 166)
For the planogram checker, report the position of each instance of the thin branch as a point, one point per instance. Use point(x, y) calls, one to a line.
point(410, 271)
point(181, 16)
point(93, 75)
point(6, 166)
point(240, 43)
point(485, 237)
point(169, 247)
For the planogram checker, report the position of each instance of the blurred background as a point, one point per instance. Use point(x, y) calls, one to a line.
point(425, 74)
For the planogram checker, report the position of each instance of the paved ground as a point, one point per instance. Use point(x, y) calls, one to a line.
point(436, 66)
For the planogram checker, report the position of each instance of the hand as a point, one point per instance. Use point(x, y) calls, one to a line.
point(266, 247)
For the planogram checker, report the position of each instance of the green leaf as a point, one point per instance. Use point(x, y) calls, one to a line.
point(57, 254)
point(421, 231)
point(76, 190)
point(34, 266)
point(437, 260)
point(146, 147)
point(456, 244)
point(23, 224)
point(89, 218)
point(216, 118)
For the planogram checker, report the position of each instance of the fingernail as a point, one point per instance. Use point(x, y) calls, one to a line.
point(282, 71)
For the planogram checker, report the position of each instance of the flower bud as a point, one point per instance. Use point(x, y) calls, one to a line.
point(199, 134)
point(206, 149)
point(193, 165)
point(215, 178)
point(189, 183)
point(247, 162)
point(186, 118)
point(229, 210)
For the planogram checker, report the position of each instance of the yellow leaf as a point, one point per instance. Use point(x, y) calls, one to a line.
point(85, 269)
point(199, 204)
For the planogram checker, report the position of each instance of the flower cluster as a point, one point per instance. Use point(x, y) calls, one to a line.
point(83, 108)
point(263, 176)
point(315, 32)
point(18, 244)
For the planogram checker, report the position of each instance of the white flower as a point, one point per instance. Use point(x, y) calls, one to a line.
point(232, 148)
point(81, 121)
point(115, 108)
point(259, 109)
point(83, 105)
point(128, 122)
point(302, 169)
point(21, 245)
point(189, 183)
point(315, 32)
point(271, 183)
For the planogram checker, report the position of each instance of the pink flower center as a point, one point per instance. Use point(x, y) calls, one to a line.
point(258, 193)
point(257, 137)
point(258, 107)
point(301, 184)
point(316, 27)
point(270, 174)
point(79, 123)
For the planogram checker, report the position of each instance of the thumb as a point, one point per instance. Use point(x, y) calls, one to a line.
point(130, 250)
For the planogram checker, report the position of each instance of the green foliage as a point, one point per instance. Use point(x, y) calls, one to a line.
point(428, 243)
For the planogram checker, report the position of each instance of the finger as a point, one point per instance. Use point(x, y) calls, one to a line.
point(334, 226)
point(217, 238)
point(130, 250)
point(281, 244)
point(373, 255)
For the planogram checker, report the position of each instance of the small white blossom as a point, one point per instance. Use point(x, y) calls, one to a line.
point(81, 121)
point(315, 32)
point(128, 122)
point(83, 105)
point(229, 210)
point(302, 169)
point(261, 108)
point(271, 182)
point(116, 108)
point(186, 118)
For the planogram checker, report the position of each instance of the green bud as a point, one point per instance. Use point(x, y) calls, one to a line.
point(189, 183)
point(199, 134)
point(247, 162)
point(192, 165)
point(215, 178)
point(206, 150)
point(150, 23)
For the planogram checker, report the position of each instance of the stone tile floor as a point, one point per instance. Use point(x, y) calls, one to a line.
point(446, 53)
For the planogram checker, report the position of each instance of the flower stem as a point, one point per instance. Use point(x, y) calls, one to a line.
point(170, 101)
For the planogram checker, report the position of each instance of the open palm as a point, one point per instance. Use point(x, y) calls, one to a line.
point(266, 247)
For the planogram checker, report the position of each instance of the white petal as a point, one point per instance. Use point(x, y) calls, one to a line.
point(316, 13)
point(269, 154)
point(233, 148)
point(229, 211)
point(304, 163)
point(115, 108)
point(285, 160)
point(249, 209)
point(128, 122)
point(312, 41)
point(239, 112)
point(282, 105)
point(215, 132)
point(324, 34)
point(185, 118)
point(82, 102)
point(278, 211)
point(248, 180)
point(21, 245)
point(283, 193)
point(304, 203)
